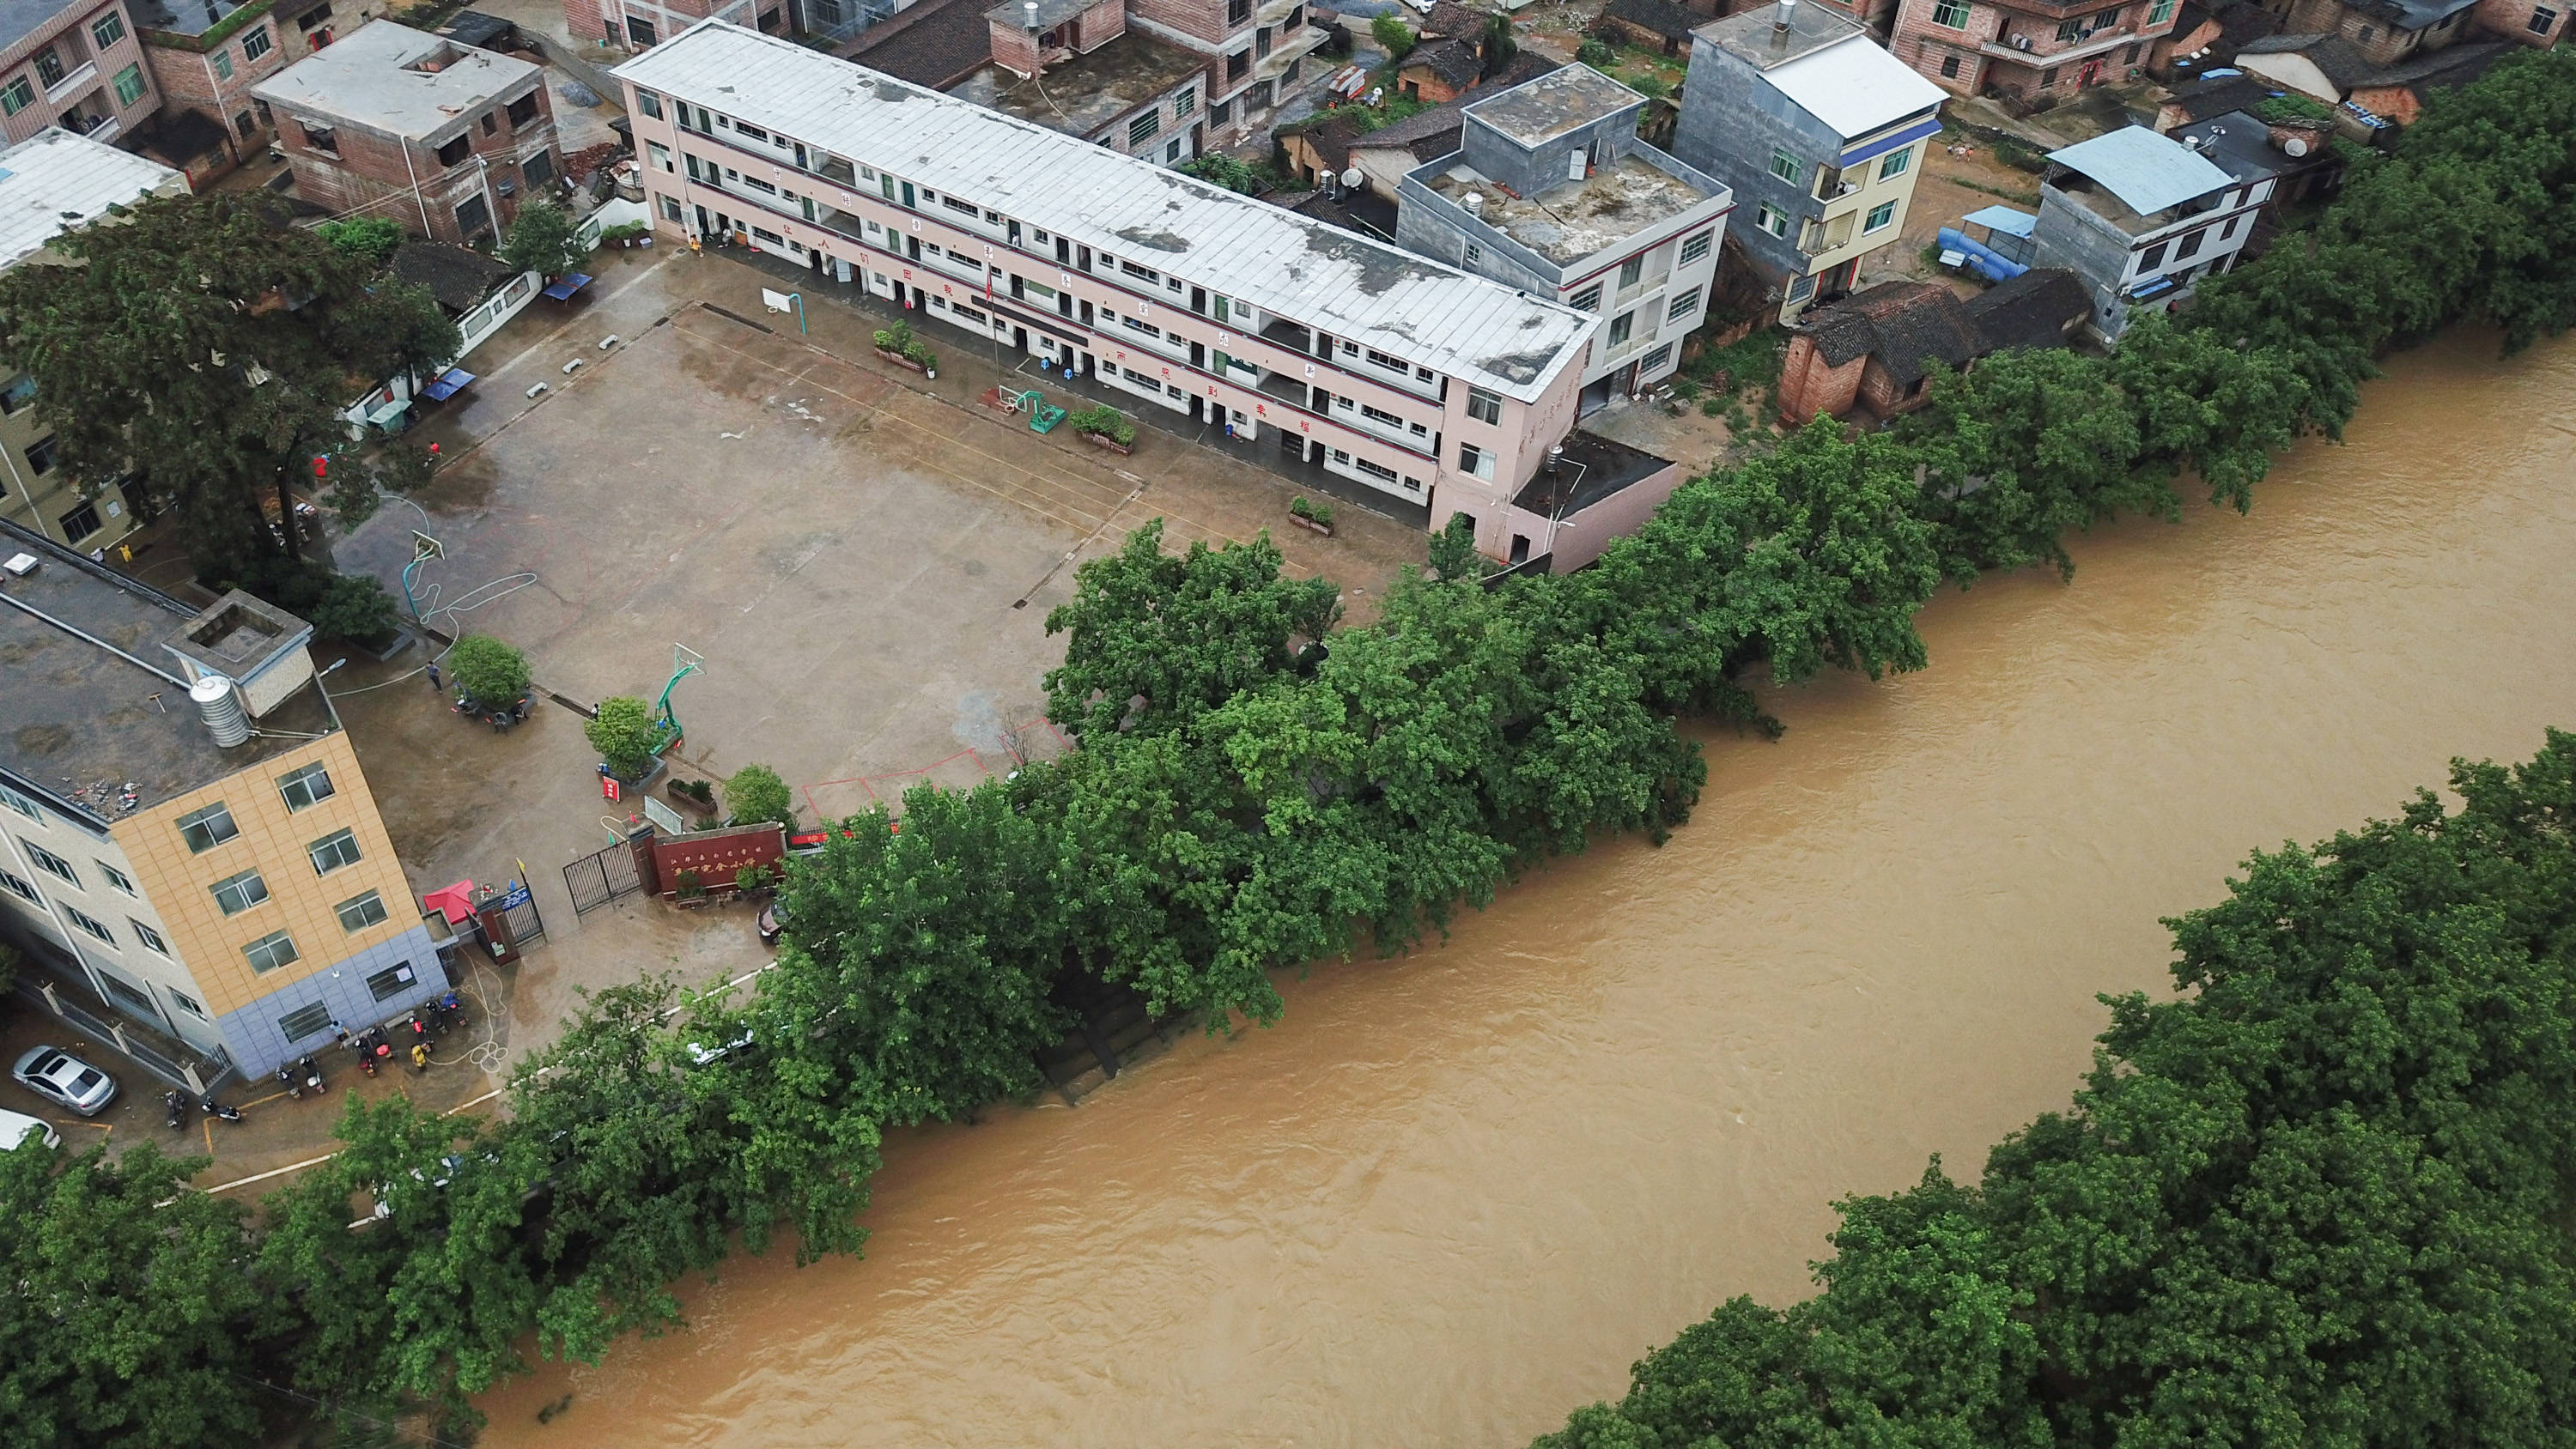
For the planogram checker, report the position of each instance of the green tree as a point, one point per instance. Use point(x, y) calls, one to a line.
point(1156, 638)
point(624, 734)
point(355, 607)
point(919, 961)
point(213, 350)
point(487, 671)
point(2318, 1197)
point(544, 239)
point(1393, 35)
point(1453, 550)
point(756, 793)
point(371, 239)
point(129, 1311)
point(2023, 449)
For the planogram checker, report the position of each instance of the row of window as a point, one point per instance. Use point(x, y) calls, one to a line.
point(1778, 223)
point(65, 55)
point(1954, 15)
point(315, 1019)
point(301, 789)
point(1831, 178)
point(698, 119)
point(455, 152)
point(265, 954)
point(2184, 248)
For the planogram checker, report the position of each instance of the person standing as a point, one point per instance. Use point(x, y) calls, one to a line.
point(420, 1057)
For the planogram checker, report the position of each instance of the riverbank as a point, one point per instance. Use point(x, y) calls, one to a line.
point(1452, 1195)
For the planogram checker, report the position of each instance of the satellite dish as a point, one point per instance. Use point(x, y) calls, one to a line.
point(1354, 177)
point(2296, 146)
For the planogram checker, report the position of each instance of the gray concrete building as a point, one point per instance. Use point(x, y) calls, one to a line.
point(2140, 217)
point(1552, 192)
point(1817, 130)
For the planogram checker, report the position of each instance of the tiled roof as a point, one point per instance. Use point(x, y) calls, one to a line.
point(2036, 309)
point(1452, 61)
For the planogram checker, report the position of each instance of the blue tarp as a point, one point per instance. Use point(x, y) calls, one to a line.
point(564, 287)
point(448, 384)
point(2003, 219)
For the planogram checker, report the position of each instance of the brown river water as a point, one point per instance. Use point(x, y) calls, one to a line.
point(1452, 1196)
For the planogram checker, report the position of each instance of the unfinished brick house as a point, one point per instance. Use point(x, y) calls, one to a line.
point(397, 123)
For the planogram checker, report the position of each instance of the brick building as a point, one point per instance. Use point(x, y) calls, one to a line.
point(2031, 52)
point(393, 122)
point(631, 25)
point(207, 55)
point(1876, 350)
point(1427, 390)
point(2536, 23)
point(77, 66)
point(1075, 66)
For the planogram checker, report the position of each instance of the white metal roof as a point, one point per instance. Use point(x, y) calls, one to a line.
point(54, 181)
point(1855, 86)
point(1410, 307)
point(2147, 171)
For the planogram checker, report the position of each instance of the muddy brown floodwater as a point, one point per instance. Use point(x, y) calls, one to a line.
point(1452, 1196)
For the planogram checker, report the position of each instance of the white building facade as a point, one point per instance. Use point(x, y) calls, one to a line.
point(1436, 390)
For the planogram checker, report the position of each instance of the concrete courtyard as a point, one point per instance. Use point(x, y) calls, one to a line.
point(865, 558)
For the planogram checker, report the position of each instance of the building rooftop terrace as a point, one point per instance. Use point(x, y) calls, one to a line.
point(399, 81)
point(1577, 219)
point(90, 725)
point(1089, 91)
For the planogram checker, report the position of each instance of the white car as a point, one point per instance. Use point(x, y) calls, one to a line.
point(56, 1074)
point(17, 1129)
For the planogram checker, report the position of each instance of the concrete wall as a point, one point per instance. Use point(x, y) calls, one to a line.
point(1531, 170)
point(88, 85)
point(1731, 120)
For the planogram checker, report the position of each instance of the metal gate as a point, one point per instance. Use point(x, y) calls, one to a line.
point(601, 877)
point(519, 913)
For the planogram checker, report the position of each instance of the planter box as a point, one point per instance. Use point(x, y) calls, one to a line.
point(1302, 521)
point(1103, 440)
point(899, 360)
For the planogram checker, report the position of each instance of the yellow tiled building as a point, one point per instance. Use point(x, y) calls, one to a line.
point(184, 828)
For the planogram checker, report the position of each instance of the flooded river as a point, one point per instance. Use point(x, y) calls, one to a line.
point(1453, 1196)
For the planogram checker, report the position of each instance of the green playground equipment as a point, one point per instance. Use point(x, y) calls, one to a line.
point(666, 722)
point(1042, 416)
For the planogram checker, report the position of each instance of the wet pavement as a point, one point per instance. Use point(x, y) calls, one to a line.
point(863, 556)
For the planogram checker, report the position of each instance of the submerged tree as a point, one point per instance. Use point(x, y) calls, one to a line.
point(201, 344)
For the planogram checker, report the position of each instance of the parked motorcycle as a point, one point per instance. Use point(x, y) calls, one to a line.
point(178, 1106)
point(294, 1086)
point(212, 1108)
point(312, 1073)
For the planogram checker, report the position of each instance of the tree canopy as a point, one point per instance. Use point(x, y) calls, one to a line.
point(203, 345)
point(2319, 1198)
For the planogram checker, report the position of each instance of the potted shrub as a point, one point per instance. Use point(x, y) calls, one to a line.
point(1317, 516)
point(698, 797)
point(688, 889)
point(488, 674)
point(1105, 426)
point(753, 880)
point(897, 345)
point(625, 736)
